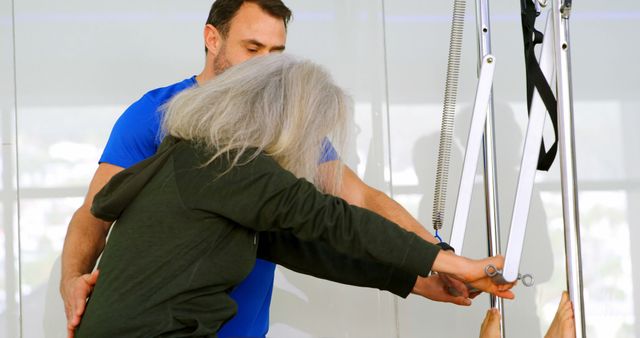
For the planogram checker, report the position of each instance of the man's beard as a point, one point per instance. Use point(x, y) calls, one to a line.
point(220, 62)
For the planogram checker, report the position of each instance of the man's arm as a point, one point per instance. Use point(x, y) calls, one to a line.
point(356, 192)
point(85, 240)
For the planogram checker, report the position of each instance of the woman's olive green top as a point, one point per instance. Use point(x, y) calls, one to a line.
point(186, 234)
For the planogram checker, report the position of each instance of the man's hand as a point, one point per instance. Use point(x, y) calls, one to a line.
point(435, 287)
point(86, 237)
point(75, 292)
point(456, 287)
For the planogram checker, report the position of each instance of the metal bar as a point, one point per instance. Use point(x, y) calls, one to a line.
point(10, 207)
point(490, 176)
point(561, 12)
point(472, 152)
point(528, 165)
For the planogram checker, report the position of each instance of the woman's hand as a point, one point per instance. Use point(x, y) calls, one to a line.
point(472, 272)
point(478, 277)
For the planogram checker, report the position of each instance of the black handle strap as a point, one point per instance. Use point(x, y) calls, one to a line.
point(537, 81)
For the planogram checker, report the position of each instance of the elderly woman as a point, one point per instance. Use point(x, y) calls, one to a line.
point(234, 180)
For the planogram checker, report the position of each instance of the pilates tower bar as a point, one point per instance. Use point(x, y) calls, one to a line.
point(490, 176)
point(555, 64)
point(561, 11)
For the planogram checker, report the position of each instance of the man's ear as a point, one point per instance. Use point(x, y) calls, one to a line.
point(212, 39)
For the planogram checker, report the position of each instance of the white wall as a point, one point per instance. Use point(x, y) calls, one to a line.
point(78, 64)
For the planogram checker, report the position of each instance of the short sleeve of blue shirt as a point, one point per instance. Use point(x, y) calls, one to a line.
point(328, 152)
point(135, 136)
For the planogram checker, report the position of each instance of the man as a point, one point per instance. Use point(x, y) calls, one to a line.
point(236, 30)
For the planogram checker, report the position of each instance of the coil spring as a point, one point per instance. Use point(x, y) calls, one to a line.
point(446, 130)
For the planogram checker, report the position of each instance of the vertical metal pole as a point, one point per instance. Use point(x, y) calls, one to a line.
point(561, 12)
point(385, 109)
point(490, 177)
point(10, 193)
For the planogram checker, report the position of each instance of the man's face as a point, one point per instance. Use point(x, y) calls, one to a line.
point(252, 32)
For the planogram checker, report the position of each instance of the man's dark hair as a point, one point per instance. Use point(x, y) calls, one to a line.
point(222, 11)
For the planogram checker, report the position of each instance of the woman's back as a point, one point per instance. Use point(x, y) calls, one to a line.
point(167, 267)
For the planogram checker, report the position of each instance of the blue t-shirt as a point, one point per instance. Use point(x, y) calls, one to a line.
point(135, 137)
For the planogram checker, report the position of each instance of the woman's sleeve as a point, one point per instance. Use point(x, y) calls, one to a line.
point(321, 260)
point(262, 196)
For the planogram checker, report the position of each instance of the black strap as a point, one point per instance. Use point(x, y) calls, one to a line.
point(536, 79)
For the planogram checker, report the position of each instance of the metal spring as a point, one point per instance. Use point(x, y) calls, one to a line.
point(446, 130)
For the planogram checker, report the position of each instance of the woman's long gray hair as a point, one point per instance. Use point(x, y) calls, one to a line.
point(276, 104)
